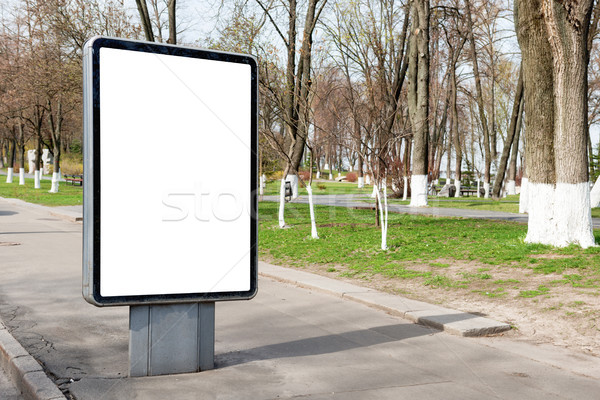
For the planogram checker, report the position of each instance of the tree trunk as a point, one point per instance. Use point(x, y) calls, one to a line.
point(418, 101)
point(39, 120)
point(406, 162)
point(480, 103)
point(553, 40)
point(567, 23)
point(55, 128)
point(282, 200)
point(361, 176)
point(539, 109)
point(145, 19)
point(11, 160)
point(510, 136)
point(21, 143)
point(454, 128)
point(449, 157)
point(313, 223)
point(512, 169)
point(171, 6)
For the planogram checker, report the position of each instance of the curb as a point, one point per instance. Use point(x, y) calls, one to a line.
point(455, 322)
point(25, 372)
point(68, 215)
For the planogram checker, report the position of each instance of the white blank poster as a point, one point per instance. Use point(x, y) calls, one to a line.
point(175, 139)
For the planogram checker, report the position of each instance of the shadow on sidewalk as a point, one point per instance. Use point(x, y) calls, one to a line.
point(324, 344)
point(5, 213)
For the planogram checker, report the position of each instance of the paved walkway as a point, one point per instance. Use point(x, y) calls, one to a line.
point(27, 175)
point(288, 342)
point(358, 201)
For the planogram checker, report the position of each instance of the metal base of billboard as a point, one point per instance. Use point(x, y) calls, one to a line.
point(171, 338)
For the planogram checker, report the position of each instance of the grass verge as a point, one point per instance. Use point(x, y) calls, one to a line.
point(67, 195)
point(427, 250)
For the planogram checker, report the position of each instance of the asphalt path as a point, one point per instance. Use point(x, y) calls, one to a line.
point(363, 202)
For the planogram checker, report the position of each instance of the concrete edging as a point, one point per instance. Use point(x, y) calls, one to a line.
point(25, 372)
point(452, 321)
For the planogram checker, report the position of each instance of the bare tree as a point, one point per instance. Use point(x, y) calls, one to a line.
point(480, 102)
point(418, 100)
point(511, 134)
point(150, 23)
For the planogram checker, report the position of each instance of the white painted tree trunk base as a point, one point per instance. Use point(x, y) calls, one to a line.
point(374, 193)
point(54, 188)
point(37, 184)
point(595, 194)
point(368, 180)
point(418, 189)
point(478, 186)
point(21, 176)
point(382, 216)
point(384, 245)
point(293, 179)
point(330, 176)
point(405, 193)
point(9, 175)
point(524, 196)
point(262, 184)
point(318, 174)
point(511, 188)
point(541, 226)
point(313, 224)
point(457, 186)
point(361, 182)
point(486, 188)
point(561, 215)
point(282, 203)
point(573, 215)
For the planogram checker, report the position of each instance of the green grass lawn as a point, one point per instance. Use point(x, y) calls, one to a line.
point(67, 195)
point(349, 238)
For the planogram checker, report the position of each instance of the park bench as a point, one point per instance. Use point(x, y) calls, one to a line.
point(74, 180)
point(435, 189)
point(468, 191)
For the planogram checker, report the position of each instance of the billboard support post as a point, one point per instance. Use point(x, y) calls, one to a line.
point(171, 338)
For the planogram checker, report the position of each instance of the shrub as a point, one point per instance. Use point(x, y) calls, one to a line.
point(321, 186)
point(351, 177)
point(71, 164)
point(277, 175)
point(305, 175)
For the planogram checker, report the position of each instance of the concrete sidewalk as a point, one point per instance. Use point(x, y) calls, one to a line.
point(288, 342)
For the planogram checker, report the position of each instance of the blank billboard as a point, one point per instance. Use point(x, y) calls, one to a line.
point(170, 173)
